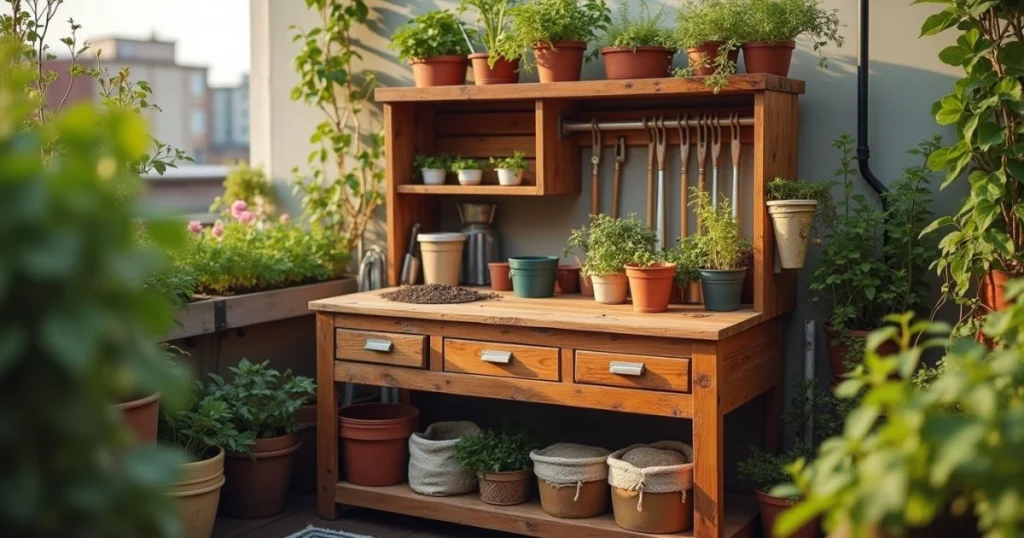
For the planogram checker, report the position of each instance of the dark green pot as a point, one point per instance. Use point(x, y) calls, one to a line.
point(722, 289)
point(533, 277)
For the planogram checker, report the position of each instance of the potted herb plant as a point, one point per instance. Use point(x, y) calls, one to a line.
point(501, 462)
point(433, 168)
point(772, 26)
point(638, 47)
point(469, 171)
point(610, 244)
point(263, 404)
point(688, 257)
point(510, 169)
point(500, 64)
point(708, 31)
point(558, 32)
point(725, 251)
point(435, 47)
point(650, 281)
point(796, 209)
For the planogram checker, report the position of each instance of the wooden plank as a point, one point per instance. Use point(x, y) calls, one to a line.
point(751, 364)
point(663, 404)
point(526, 362)
point(591, 89)
point(194, 319)
point(407, 350)
point(708, 435)
point(327, 418)
point(485, 123)
point(436, 361)
point(467, 190)
point(484, 146)
point(558, 159)
point(659, 373)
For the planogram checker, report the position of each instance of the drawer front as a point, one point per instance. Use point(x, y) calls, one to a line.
point(504, 360)
point(382, 348)
point(633, 371)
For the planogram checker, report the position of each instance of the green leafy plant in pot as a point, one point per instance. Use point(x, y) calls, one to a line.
point(469, 171)
point(772, 26)
point(510, 169)
point(610, 244)
point(501, 462)
point(638, 47)
point(435, 47)
point(725, 252)
point(558, 32)
point(708, 31)
point(797, 209)
point(688, 258)
point(500, 64)
point(650, 281)
point(433, 168)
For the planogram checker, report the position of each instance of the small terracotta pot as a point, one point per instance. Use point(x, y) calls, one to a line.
point(504, 489)
point(500, 281)
point(586, 286)
point(447, 70)
point(837, 351)
point(773, 58)
point(197, 494)
point(676, 297)
point(503, 72)
point(610, 289)
point(708, 50)
point(142, 416)
point(651, 286)
point(567, 279)
point(773, 507)
point(304, 469)
point(644, 62)
point(375, 441)
point(993, 290)
point(257, 484)
point(561, 63)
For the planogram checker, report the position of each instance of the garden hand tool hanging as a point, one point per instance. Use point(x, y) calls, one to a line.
point(660, 141)
point(702, 158)
point(620, 159)
point(595, 160)
point(683, 124)
point(411, 263)
point(716, 154)
point(734, 122)
point(650, 172)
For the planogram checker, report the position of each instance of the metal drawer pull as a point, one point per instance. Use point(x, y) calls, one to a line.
point(626, 368)
point(499, 357)
point(379, 344)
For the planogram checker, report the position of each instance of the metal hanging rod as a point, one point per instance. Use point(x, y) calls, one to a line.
point(694, 122)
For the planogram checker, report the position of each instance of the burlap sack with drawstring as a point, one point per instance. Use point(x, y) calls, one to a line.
point(662, 467)
point(570, 465)
point(433, 466)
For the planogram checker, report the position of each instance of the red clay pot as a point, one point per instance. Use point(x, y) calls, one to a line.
point(500, 281)
point(375, 441)
point(304, 469)
point(710, 51)
point(586, 286)
point(560, 63)
point(837, 353)
point(650, 286)
point(677, 295)
point(773, 507)
point(993, 290)
point(439, 71)
point(142, 416)
point(257, 485)
point(773, 58)
point(644, 62)
point(503, 72)
point(567, 279)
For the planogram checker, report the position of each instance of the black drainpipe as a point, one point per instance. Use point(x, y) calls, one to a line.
point(863, 73)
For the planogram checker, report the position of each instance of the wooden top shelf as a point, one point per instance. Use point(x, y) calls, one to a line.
point(488, 190)
point(591, 89)
point(571, 312)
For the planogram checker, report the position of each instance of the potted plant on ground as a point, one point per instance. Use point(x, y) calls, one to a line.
point(797, 208)
point(558, 32)
point(708, 30)
point(725, 251)
point(435, 47)
point(501, 462)
point(469, 171)
point(500, 64)
point(772, 26)
point(263, 403)
point(433, 168)
point(638, 47)
point(610, 244)
point(510, 169)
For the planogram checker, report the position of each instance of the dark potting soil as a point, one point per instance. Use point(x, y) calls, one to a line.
point(437, 294)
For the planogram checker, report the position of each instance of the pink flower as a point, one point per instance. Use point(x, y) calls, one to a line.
point(285, 218)
point(195, 227)
point(218, 229)
point(238, 207)
point(245, 217)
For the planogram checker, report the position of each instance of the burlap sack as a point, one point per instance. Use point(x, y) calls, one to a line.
point(568, 464)
point(662, 467)
point(433, 467)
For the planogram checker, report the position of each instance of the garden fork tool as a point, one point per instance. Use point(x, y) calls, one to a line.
point(660, 142)
point(702, 159)
point(716, 156)
point(620, 159)
point(683, 124)
point(734, 122)
point(650, 171)
point(595, 160)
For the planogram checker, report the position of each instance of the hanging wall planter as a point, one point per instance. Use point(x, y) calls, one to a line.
point(562, 61)
point(533, 277)
point(610, 289)
point(643, 62)
point(375, 442)
point(257, 484)
point(792, 221)
point(433, 463)
point(701, 59)
point(773, 58)
point(503, 72)
point(142, 416)
point(652, 487)
point(651, 286)
point(197, 494)
point(573, 480)
point(722, 289)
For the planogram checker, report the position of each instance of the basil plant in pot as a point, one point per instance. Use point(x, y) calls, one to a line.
point(500, 64)
point(558, 32)
point(433, 168)
point(638, 47)
point(501, 462)
point(725, 253)
point(708, 30)
point(610, 244)
point(510, 169)
point(469, 171)
point(436, 48)
point(772, 26)
point(688, 257)
point(650, 281)
point(797, 209)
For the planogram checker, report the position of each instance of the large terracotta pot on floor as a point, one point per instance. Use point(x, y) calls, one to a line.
point(197, 494)
point(142, 416)
point(837, 351)
point(439, 71)
point(561, 63)
point(772, 507)
point(644, 62)
point(773, 58)
point(375, 442)
point(503, 72)
point(257, 485)
point(708, 51)
point(304, 469)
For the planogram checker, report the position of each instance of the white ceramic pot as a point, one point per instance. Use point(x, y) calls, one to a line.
point(442, 257)
point(610, 289)
point(470, 177)
point(792, 221)
point(508, 177)
point(433, 176)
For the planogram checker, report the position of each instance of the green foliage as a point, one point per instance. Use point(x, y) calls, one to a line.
point(458, 163)
point(784, 20)
point(202, 426)
point(546, 21)
point(644, 30)
point(495, 451)
point(432, 162)
point(719, 242)
point(790, 189)
point(435, 33)
point(262, 400)
point(611, 243)
point(516, 162)
point(250, 185)
point(703, 21)
point(495, 16)
point(688, 257)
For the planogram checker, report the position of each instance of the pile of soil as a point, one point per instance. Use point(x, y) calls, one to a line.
point(437, 294)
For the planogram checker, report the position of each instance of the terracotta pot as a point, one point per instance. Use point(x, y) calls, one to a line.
point(304, 469)
point(504, 489)
point(993, 290)
point(442, 257)
point(197, 494)
point(586, 286)
point(662, 513)
point(500, 281)
point(591, 500)
point(560, 63)
point(375, 442)
point(142, 416)
point(610, 289)
point(447, 70)
point(773, 58)
point(503, 72)
point(567, 279)
point(792, 221)
point(257, 484)
point(651, 286)
point(692, 293)
point(837, 352)
point(676, 297)
point(644, 62)
point(772, 507)
point(708, 51)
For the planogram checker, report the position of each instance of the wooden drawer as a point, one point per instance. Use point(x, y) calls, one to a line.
point(504, 360)
point(382, 348)
point(633, 371)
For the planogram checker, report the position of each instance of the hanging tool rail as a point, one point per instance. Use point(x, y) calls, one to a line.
point(693, 121)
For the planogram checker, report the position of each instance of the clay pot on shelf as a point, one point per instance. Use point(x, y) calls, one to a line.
point(470, 177)
point(722, 290)
point(792, 221)
point(375, 442)
point(434, 176)
point(586, 286)
point(567, 280)
point(701, 59)
point(772, 507)
point(442, 257)
point(773, 58)
point(573, 480)
point(304, 469)
point(197, 494)
point(838, 351)
point(663, 473)
point(533, 277)
point(560, 62)
point(509, 177)
point(446, 70)
point(504, 489)
point(141, 416)
point(500, 281)
point(503, 72)
point(610, 289)
point(257, 484)
point(651, 286)
point(644, 62)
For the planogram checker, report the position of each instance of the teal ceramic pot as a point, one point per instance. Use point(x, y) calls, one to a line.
point(722, 289)
point(533, 277)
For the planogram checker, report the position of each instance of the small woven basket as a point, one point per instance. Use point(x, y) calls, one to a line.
point(504, 489)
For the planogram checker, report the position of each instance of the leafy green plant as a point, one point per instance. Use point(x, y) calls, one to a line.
point(644, 30)
point(495, 451)
point(516, 162)
point(720, 241)
point(775, 21)
point(432, 162)
point(202, 426)
point(435, 33)
point(688, 257)
point(710, 21)
point(546, 21)
point(611, 243)
point(250, 185)
point(495, 16)
point(790, 189)
point(458, 164)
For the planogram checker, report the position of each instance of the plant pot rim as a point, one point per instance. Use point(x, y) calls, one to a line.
point(773, 500)
point(653, 266)
point(561, 44)
point(474, 55)
point(504, 476)
point(722, 271)
point(705, 45)
point(444, 58)
point(573, 267)
point(409, 411)
point(138, 402)
point(776, 203)
point(441, 237)
point(281, 445)
point(786, 44)
point(469, 170)
point(511, 169)
point(644, 48)
point(497, 264)
point(434, 170)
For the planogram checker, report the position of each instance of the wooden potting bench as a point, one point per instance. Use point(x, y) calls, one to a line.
point(566, 350)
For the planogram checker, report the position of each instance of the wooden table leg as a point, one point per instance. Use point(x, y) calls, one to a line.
point(708, 456)
point(327, 418)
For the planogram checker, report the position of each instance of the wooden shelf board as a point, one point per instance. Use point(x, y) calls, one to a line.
point(525, 519)
point(591, 89)
point(491, 190)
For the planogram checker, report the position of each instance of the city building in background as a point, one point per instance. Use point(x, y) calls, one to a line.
point(229, 109)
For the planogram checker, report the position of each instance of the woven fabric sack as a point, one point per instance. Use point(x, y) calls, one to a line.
point(433, 466)
point(662, 467)
point(570, 464)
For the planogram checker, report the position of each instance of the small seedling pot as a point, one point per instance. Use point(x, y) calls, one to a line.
point(442, 257)
point(610, 289)
point(567, 279)
point(197, 494)
point(470, 177)
point(792, 221)
point(375, 442)
point(709, 52)
point(561, 62)
point(509, 177)
point(503, 72)
point(722, 290)
point(769, 57)
point(644, 62)
point(504, 489)
point(651, 286)
point(446, 70)
point(772, 507)
point(500, 279)
point(533, 277)
point(434, 176)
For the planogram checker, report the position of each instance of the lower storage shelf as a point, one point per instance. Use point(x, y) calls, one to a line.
point(525, 519)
